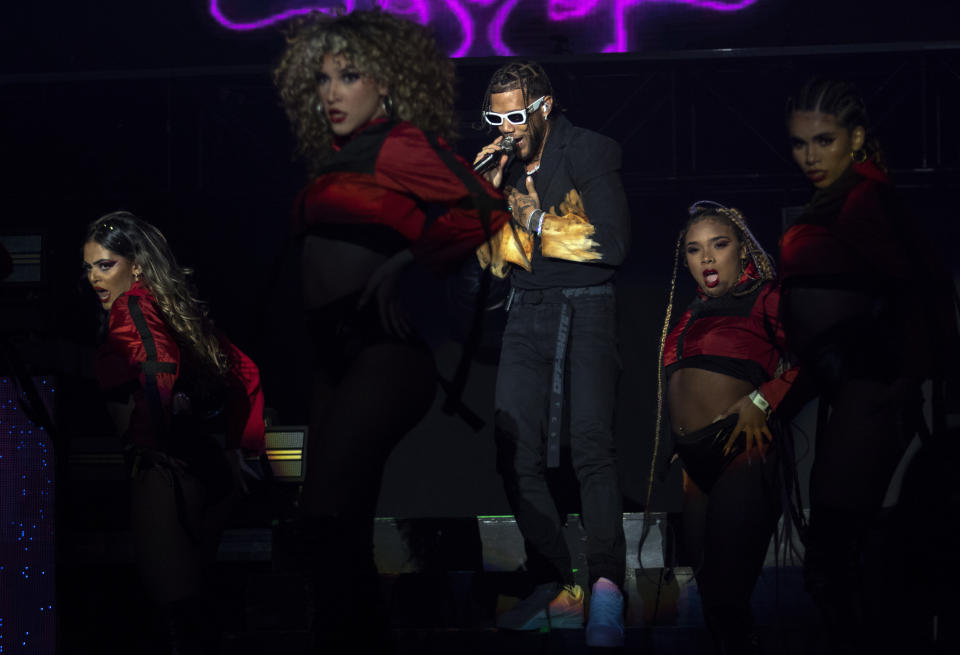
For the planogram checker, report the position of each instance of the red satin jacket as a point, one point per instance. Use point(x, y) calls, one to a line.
point(120, 365)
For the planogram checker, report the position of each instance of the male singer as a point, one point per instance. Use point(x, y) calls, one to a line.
point(559, 365)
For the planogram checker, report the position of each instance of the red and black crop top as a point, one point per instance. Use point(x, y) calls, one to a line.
point(739, 336)
point(391, 186)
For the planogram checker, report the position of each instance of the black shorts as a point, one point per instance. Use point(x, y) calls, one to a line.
point(701, 452)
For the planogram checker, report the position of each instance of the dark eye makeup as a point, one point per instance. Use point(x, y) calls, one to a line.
point(104, 265)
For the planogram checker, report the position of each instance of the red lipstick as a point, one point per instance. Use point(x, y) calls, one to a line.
point(816, 175)
point(710, 278)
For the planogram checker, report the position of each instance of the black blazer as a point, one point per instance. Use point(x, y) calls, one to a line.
point(581, 160)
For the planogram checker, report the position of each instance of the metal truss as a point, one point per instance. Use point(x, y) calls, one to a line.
point(717, 117)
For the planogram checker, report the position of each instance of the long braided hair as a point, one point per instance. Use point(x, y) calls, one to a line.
point(700, 211)
point(183, 312)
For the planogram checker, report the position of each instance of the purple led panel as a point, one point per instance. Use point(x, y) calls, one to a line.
point(27, 611)
point(488, 27)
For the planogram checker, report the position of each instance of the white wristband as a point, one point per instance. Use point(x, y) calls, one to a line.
point(532, 217)
point(540, 222)
point(757, 399)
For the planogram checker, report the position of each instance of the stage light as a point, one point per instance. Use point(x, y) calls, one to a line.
point(286, 448)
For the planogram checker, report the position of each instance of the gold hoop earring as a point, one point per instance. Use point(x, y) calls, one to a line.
point(387, 104)
point(858, 156)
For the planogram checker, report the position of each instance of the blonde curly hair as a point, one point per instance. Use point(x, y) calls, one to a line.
point(391, 51)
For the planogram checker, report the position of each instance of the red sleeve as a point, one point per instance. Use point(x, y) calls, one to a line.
point(458, 201)
point(670, 345)
point(775, 390)
point(245, 428)
point(118, 360)
point(119, 363)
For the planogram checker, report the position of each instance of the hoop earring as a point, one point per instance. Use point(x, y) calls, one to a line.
point(386, 103)
point(858, 156)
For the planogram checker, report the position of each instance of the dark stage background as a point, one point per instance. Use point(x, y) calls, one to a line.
point(156, 108)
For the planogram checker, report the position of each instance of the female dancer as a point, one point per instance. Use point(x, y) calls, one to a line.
point(371, 103)
point(171, 381)
point(721, 363)
point(861, 299)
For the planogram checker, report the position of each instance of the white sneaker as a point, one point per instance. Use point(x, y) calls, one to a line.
point(551, 606)
point(605, 627)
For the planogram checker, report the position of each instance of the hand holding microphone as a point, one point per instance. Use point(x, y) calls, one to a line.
point(491, 161)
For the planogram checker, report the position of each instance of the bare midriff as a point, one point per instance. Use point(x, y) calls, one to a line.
point(333, 269)
point(696, 397)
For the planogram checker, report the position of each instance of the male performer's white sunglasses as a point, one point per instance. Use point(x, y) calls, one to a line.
point(516, 117)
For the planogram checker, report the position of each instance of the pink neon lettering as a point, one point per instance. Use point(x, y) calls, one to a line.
point(457, 14)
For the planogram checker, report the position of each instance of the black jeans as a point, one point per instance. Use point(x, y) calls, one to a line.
point(524, 383)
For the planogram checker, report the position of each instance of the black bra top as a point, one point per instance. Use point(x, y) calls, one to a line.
point(741, 369)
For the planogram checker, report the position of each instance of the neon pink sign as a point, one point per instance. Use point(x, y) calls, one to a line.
point(486, 27)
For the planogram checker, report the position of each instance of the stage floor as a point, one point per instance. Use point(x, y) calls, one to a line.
point(443, 581)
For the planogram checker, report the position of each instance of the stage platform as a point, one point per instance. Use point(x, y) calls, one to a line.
point(443, 581)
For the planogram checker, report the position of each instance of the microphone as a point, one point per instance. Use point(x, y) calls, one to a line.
point(493, 158)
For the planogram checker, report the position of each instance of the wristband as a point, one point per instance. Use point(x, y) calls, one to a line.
point(532, 218)
point(757, 399)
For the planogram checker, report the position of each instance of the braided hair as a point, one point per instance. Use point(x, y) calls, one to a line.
point(700, 211)
point(842, 101)
point(526, 75)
